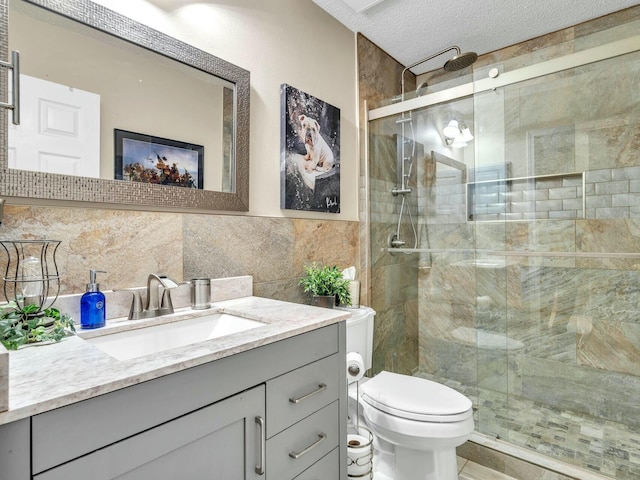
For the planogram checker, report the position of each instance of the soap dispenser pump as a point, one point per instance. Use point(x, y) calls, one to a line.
point(92, 304)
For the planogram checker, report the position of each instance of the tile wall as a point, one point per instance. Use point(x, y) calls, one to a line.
point(130, 244)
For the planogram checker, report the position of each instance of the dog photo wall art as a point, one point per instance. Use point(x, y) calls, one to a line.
point(309, 153)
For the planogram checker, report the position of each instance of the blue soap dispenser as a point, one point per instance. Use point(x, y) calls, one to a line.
point(92, 304)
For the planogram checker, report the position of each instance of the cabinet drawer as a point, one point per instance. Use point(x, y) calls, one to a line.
point(294, 450)
point(297, 394)
point(326, 468)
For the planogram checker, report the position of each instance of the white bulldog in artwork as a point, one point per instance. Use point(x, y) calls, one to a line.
point(319, 156)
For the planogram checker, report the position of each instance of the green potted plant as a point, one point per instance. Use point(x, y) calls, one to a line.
point(326, 286)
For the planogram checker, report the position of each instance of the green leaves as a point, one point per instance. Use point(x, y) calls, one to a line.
point(326, 281)
point(21, 328)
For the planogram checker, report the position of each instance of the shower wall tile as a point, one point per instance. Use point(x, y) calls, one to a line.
point(409, 354)
point(556, 236)
point(582, 389)
point(389, 337)
point(624, 19)
point(493, 369)
point(531, 51)
point(394, 284)
point(610, 345)
point(378, 75)
point(453, 283)
point(453, 236)
point(393, 289)
point(613, 212)
point(382, 145)
point(451, 360)
point(441, 319)
point(622, 235)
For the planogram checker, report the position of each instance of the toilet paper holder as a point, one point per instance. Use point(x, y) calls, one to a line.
point(359, 452)
point(355, 367)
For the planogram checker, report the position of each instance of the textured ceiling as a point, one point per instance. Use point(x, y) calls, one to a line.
point(410, 30)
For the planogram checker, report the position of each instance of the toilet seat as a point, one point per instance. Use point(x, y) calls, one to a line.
point(415, 398)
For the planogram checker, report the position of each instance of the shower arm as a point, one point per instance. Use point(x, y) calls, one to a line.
point(457, 49)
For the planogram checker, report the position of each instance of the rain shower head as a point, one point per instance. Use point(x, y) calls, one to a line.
point(460, 61)
point(455, 63)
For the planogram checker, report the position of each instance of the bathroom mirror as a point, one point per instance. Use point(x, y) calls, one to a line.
point(115, 112)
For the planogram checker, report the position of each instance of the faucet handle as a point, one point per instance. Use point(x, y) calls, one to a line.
point(165, 300)
point(135, 312)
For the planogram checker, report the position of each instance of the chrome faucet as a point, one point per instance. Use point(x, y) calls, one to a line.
point(162, 305)
point(158, 302)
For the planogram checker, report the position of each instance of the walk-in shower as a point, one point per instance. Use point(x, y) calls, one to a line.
point(406, 140)
point(522, 288)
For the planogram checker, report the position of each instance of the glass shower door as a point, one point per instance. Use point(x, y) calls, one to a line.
point(567, 231)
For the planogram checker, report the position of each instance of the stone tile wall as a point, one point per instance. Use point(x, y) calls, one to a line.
point(129, 245)
point(391, 287)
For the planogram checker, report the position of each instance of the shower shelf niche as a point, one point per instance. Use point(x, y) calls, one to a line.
point(543, 197)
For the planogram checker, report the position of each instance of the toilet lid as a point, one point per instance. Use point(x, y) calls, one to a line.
point(416, 398)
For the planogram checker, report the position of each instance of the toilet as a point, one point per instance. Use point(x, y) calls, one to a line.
point(416, 423)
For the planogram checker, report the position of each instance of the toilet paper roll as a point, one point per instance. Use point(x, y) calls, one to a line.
point(355, 367)
point(359, 456)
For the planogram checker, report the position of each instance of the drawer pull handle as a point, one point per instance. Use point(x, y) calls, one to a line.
point(262, 442)
point(321, 388)
point(297, 455)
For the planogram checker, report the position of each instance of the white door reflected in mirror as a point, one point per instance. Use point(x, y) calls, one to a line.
point(59, 130)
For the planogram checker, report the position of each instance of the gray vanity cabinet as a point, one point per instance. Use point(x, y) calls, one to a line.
point(220, 441)
point(276, 412)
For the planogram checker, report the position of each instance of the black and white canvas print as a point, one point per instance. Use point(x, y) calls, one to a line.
point(310, 153)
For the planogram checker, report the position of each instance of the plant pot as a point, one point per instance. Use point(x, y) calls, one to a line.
point(326, 301)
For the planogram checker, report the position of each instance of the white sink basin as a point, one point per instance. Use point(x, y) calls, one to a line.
point(157, 338)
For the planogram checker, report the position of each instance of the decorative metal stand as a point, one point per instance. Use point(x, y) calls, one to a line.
point(359, 447)
point(359, 453)
point(31, 274)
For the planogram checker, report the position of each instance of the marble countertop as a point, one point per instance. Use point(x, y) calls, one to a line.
point(45, 377)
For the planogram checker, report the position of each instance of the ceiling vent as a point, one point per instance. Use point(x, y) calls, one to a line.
point(360, 6)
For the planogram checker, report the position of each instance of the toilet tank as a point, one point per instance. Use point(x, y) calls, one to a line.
point(360, 333)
